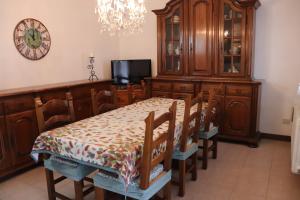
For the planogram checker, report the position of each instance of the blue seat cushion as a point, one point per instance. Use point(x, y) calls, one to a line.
point(68, 168)
point(209, 134)
point(117, 185)
point(178, 155)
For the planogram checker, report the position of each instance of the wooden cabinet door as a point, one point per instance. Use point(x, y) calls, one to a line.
point(5, 157)
point(232, 39)
point(237, 116)
point(22, 130)
point(82, 108)
point(200, 38)
point(172, 41)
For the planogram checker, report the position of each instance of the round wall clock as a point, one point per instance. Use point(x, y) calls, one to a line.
point(32, 39)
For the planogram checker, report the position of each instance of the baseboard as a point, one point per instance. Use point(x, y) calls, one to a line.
point(275, 137)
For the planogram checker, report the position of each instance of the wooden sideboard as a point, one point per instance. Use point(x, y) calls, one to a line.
point(18, 123)
point(239, 103)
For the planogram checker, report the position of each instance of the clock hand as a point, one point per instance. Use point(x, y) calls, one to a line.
point(33, 36)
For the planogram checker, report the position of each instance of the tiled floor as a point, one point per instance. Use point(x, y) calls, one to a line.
point(239, 173)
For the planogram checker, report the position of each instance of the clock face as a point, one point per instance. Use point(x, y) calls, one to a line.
point(32, 39)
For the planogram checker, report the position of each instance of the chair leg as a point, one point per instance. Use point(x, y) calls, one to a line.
point(215, 150)
point(78, 185)
point(50, 184)
point(182, 172)
point(194, 165)
point(167, 191)
point(99, 193)
point(205, 154)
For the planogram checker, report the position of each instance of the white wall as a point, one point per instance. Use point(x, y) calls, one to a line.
point(144, 45)
point(74, 31)
point(277, 61)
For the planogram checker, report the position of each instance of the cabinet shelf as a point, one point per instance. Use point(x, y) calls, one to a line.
point(234, 55)
point(173, 55)
point(172, 40)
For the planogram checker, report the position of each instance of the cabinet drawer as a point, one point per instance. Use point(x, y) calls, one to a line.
point(208, 86)
point(236, 90)
point(181, 96)
point(183, 87)
point(162, 94)
point(19, 104)
point(122, 98)
point(160, 86)
point(53, 94)
point(81, 92)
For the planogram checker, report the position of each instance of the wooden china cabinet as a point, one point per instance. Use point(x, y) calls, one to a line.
point(205, 44)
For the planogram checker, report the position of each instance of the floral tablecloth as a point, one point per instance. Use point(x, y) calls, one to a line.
point(113, 139)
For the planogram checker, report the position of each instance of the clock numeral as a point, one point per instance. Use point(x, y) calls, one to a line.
point(32, 23)
point(42, 53)
point(46, 38)
point(45, 46)
point(44, 31)
point(21, 46)
point(19, 38)
point(25, 25)
point(34, 54)
point(27, 52)
point(39, 27)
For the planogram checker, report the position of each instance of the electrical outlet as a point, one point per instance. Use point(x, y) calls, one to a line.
point(286, 121)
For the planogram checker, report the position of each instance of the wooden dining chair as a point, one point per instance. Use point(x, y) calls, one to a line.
point(53, 114)
point(188, 146)
point(155, 169)
point(137, 92)
point(103, 101)
point(210, 129)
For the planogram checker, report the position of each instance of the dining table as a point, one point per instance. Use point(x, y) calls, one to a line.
point(111, 141)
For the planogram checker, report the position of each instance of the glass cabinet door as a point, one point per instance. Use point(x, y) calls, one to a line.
point(232, 49)
point(172, 54)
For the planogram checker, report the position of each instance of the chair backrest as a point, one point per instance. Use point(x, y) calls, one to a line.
point(213, 110)
point(164, 140)
point(137, 92)
point(103, 101)
point(191, 118)
point(54, 113)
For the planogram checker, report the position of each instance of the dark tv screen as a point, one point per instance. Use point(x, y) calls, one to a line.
point(130, 71)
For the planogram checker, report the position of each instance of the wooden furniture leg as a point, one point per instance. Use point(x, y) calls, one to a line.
point(182, 172)
point(99, 193)
point(78, 185)
point(194, 164)
point(167, 191)
point(215, 144)
point(205, 154)
point(50, 184)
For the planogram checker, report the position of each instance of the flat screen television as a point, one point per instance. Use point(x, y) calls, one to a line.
point(130, 71)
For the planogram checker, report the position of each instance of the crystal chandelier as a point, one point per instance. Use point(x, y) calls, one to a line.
point(116, 16)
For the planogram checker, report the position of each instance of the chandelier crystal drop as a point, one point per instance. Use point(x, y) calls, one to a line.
point(121, 16)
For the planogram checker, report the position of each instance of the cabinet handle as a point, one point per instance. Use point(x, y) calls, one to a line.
point(181, 48)
point(238, 91)
point(191, 46)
